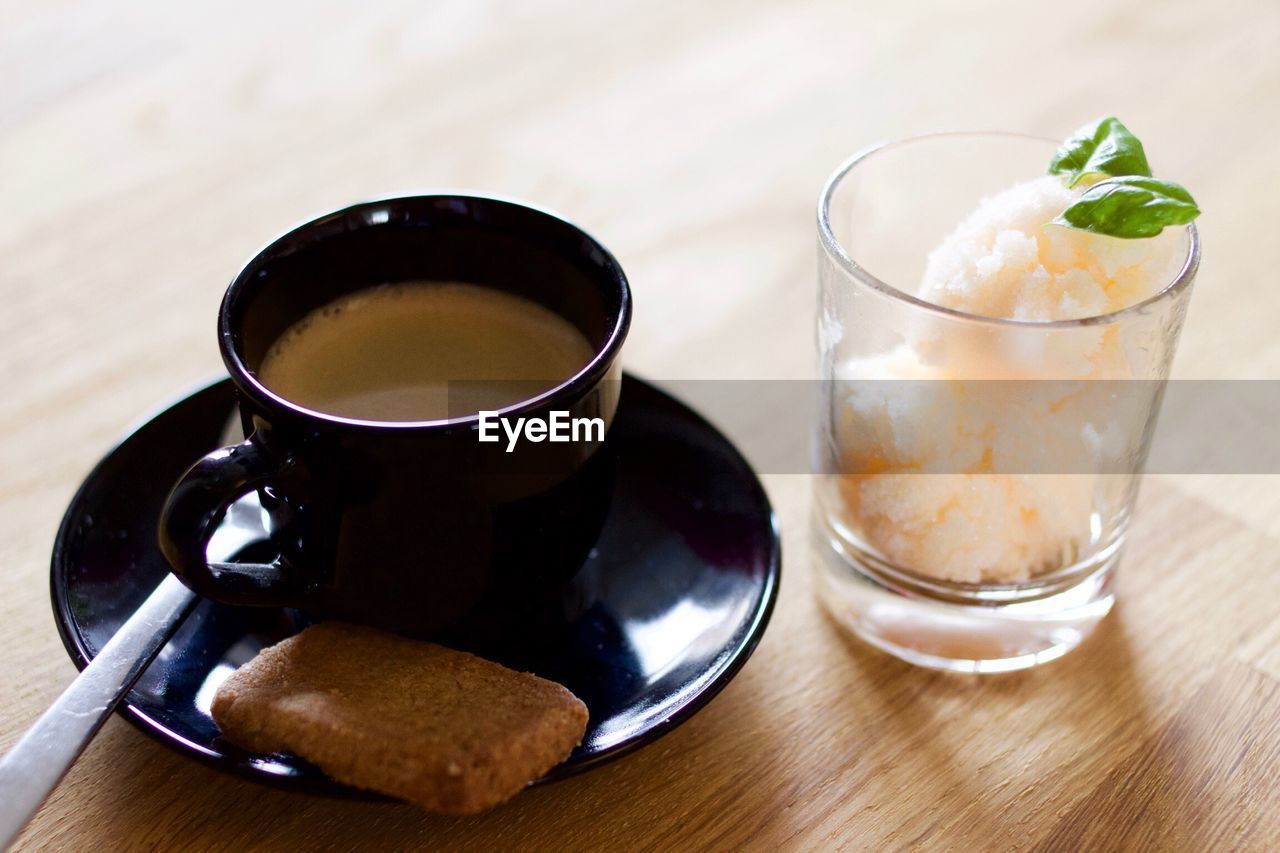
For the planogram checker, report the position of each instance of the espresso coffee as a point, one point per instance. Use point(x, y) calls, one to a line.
point(421, 351)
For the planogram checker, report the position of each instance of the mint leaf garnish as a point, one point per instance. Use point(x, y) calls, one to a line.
point(1128, 203)
point(1130, 207)
point(1105, 147)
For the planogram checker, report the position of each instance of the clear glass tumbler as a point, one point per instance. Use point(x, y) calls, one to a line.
point(975, 475)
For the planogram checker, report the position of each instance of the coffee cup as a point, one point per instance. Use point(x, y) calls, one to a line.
point(414, 525)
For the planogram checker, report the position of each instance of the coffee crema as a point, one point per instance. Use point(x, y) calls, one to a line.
point(422, 351)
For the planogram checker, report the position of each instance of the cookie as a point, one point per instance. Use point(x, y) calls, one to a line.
point(447, 730)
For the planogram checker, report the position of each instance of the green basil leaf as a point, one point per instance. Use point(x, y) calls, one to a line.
point(1105, 147)
point(1130, 207)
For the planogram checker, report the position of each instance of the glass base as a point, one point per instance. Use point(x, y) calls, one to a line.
point(947, 634)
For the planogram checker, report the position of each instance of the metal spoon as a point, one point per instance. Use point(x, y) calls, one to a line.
point(37, 763)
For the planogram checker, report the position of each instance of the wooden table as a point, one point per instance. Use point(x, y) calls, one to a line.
point(146, 152)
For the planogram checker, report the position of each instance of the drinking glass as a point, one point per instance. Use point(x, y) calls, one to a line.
point(975, 475)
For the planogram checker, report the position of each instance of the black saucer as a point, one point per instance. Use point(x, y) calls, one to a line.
point(663, 612)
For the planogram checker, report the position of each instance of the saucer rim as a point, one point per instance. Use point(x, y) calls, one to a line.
point(77, 648)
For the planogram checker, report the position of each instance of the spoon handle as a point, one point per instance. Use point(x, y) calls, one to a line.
point(37, 763)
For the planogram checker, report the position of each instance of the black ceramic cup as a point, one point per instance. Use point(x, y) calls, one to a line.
point(412, 526)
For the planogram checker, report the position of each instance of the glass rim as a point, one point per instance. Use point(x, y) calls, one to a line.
point(835, 250)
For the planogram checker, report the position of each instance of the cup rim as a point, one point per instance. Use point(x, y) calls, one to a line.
point(591, 374)
point(835, 250)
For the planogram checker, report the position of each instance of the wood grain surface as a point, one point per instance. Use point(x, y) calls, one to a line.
point(146, 150)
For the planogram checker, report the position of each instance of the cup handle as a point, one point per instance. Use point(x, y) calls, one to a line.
point(196, 506)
